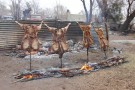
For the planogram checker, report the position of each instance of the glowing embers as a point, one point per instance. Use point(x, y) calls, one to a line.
point(68, 72)
point(86, 67)
point(28, 76)
point(47, 73)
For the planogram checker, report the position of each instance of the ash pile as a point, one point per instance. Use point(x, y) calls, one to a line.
point(45, 49)
point(74, 48)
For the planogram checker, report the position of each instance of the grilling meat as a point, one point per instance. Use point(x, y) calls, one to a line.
point(59, 44)
point(102, 40)
point(30, 40)
point(87, 38)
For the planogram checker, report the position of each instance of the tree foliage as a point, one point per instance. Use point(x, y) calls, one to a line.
point(115, 9)
point(111, 9)
point(130, 15)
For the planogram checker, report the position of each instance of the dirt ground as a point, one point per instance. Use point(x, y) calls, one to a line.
point(120, 77)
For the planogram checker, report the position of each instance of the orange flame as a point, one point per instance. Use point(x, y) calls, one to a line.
point(86, 67)
point(27, 77)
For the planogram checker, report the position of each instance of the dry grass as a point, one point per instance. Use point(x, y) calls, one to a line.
point(131, 58)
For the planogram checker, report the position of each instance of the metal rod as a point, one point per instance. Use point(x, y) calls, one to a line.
point(61, 66)
point(30, 60)
point(60, 54)
point(105, 54)
point(87, 54)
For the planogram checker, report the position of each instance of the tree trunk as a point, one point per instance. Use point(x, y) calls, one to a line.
point(125, 25)
point(104, 10)
point(90, 15)
point(86, 12)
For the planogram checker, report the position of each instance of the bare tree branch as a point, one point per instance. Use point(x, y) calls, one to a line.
point(88, 15)
point(130, 2)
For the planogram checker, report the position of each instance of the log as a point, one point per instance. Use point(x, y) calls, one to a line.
point(111, 62)
point(61, 72)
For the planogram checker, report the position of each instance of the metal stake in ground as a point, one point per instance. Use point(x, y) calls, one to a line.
point(87, 54)
point(105, 54)
point(61, 52)
point(29, 50)
point(61, 63)
point(88, 50)
point(30, 61)
point(87, 37)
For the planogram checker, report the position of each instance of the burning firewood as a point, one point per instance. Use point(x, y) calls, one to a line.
point(68, 72)
point(111, 62)
point(29, 76)
point(54, 72)
point(86, 67)
point(22, 77)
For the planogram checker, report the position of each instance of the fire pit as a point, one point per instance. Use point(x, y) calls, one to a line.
point(27, 75)
point(47, 73)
